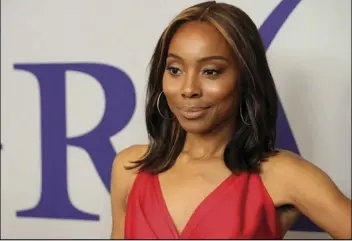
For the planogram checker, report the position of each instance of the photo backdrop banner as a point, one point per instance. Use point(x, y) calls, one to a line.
point(73, 81)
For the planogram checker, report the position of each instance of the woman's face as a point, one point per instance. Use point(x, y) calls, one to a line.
point(200, 78)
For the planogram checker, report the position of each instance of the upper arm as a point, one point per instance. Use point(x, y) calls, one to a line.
point(121, 181)
point(314, 194)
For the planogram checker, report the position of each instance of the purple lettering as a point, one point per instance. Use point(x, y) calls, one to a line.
point(120, 104)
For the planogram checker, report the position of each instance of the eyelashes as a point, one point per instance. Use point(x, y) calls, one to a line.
point(212, 72)
point(174, 71)
point(208, 72)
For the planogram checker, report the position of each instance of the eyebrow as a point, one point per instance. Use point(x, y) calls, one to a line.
point(215, 57)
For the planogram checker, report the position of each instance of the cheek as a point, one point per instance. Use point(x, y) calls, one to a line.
point(224, 96)
point(170, 88)
point(221, 90)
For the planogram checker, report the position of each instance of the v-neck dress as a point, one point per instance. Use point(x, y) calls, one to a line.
point(239, 208)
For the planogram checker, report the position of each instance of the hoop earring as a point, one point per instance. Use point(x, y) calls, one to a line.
point(157, 106)
point(241, 115)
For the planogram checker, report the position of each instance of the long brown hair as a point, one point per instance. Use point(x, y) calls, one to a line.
point(255, 134)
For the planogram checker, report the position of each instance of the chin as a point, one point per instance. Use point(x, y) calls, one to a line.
point(195, 126)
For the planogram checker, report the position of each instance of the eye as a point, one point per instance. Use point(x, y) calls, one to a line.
point(174, 71)
point(212, 72)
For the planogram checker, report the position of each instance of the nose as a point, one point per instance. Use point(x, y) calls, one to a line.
point(191, 87)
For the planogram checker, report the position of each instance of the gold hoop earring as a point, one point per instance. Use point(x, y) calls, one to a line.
point(241, 115)
point(157, 106)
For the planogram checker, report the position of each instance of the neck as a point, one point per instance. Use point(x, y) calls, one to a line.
point(209, 145)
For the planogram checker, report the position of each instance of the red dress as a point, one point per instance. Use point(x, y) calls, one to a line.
point(239, 208)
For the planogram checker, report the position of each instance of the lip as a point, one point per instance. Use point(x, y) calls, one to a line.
point(192, 112)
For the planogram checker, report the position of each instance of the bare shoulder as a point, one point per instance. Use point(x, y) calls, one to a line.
point(284, 158)
point(121, 182)
point(130, 154)
point(121, 177)
point(308, 188)
point(124, 159)
point(295, 174)
point(290, 165)
point(278, 171)
point(293, 168)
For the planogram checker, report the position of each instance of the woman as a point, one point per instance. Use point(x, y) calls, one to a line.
point(211, 170)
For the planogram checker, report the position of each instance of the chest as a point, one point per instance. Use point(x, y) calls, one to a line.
point(202, 206)
point(184, 195)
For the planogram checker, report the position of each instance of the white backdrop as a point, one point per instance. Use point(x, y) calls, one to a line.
point(310, 60)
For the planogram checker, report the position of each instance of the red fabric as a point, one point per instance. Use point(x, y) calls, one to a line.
point(239, 208)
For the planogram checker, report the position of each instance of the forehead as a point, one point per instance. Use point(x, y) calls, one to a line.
point(199, 39)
